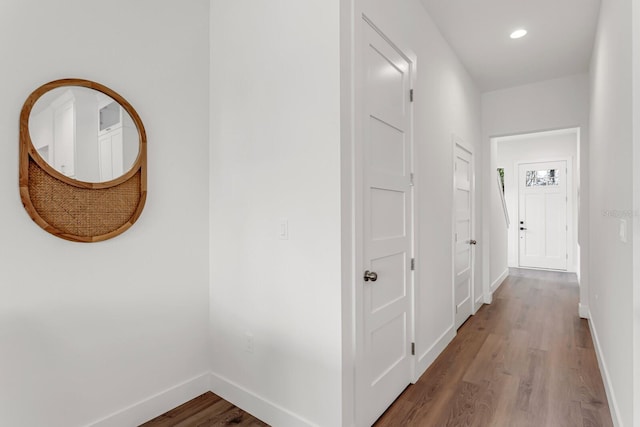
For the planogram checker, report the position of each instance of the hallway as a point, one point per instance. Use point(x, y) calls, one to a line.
point(525, 360)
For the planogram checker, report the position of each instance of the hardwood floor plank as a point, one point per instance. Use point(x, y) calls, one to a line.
point(206, 410)
point(506, 404)
point(182, 412)
point(218, 408)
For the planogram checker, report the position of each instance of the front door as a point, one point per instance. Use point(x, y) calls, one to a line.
point(386, 362)
point(542, 219)
point(463, 234)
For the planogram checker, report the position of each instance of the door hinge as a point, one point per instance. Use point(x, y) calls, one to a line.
point(411, 179)
point(413, 349)
point(413, 264)
point(411, 95)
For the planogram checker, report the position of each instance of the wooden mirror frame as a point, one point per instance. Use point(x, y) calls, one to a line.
point(76, 210)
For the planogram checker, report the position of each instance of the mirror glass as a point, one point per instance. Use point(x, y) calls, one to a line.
point(84, 134)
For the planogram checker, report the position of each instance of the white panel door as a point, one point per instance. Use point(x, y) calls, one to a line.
point(64, 138)
point(463, 240)
point(387, 234)
point(543, 215)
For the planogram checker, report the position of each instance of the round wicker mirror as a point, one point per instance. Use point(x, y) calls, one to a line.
point(82, 160)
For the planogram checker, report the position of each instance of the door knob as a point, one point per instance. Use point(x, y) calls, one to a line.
point(370, 275)
point(522, 228)
point(472, 242)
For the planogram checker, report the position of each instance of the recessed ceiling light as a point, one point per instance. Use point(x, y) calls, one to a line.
point(518, 34)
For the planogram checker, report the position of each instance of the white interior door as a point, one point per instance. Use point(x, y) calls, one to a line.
point(543, 215)
point(463, 240)
point(64, 138)
point(387, 249)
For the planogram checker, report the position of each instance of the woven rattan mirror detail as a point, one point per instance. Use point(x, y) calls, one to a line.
point(78, 210)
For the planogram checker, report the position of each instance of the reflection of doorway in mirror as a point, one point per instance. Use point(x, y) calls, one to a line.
point(116, 127)
point(64, 138)
point(53, 132)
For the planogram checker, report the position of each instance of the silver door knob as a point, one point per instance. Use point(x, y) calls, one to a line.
point(472, 242)
point(370, 275)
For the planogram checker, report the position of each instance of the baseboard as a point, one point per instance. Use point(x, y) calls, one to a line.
point(158, 404)
point(496, 284)
point(613, 403)
point(427, 358)
point(254, 404)
point(488, 298)
point(478, 303)
point(583, 311)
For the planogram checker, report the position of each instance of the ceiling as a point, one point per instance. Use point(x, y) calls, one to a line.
point(559, 40)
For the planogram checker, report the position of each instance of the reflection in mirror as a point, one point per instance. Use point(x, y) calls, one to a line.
point(84, 134)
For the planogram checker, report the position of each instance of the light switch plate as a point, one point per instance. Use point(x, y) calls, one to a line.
point(283, 230)
point(623, 230)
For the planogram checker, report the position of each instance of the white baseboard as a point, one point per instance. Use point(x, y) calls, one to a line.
point(496, 284)
point(158, 404)
point(478, 303)
point(488, 298)
point(613, 403)
point(254, 404)
point(583, 311)
point(427, 358)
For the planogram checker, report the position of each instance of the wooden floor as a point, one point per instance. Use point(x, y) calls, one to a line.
point(206, 410)
point(525, 360)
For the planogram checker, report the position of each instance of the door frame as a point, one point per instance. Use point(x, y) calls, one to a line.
point(572, 238)
point(456, 142)
point(357, 189)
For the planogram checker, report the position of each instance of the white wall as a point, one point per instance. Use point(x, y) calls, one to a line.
point(447, 103)
point(275, 154)
point(554, 104)
point(536, 147)
point(611, 201)
point(87, 330)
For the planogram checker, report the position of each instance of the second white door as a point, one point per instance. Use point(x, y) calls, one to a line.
point(463, 240)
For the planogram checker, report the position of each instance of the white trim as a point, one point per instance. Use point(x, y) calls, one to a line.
point(496, 283)
point(259, 407)
point(157, 404)
point(636, 207)
point(488, 298)
point(583, 311)
point(478, 303)
point(428, 357)
point(606, 379)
